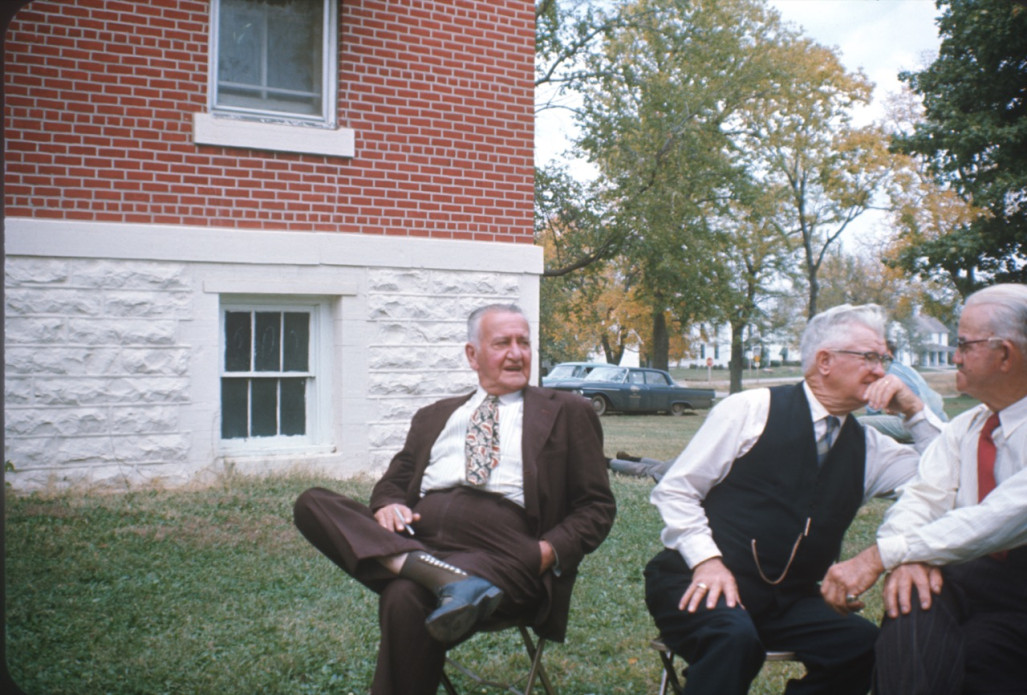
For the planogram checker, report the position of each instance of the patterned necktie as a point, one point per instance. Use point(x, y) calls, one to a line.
point(986, 458)
point(824, 443)
point(482, 443)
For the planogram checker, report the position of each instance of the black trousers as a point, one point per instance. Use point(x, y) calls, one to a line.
point(972, 641)
point(725, 647)
point(479, 532)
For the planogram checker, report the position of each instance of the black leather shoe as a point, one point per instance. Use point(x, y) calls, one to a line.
point(462, 605)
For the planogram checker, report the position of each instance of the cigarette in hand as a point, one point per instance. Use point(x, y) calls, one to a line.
point(402, 521)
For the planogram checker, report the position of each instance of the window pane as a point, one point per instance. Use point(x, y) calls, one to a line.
point(267, 348)
point(270, 55)
point(237, 341)
point(240, 42)
point(294, 406)
point(297, 341)
point(294, 46)
point(265, 407)
point(234, 411)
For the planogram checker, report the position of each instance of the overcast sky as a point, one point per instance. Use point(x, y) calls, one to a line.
point(881, 37)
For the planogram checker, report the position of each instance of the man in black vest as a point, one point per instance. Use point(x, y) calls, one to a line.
point(756, 506)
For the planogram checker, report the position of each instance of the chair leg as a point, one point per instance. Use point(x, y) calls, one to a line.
point(448, 685)
point(670, 676)
point(537, 668)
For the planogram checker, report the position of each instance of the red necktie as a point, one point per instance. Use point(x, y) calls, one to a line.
point(986, 466)
point(986, 458)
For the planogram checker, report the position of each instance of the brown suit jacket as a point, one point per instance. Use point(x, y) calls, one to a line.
point(567, 496)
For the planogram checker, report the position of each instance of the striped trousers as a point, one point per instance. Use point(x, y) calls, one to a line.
point(971, 641)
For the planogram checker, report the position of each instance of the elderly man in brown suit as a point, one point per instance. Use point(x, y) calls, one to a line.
point(486, 511)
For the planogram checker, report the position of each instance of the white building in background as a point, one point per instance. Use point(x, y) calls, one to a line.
point(711, 346)
point(926, 345)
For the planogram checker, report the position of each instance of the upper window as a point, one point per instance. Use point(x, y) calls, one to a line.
point(275, 59)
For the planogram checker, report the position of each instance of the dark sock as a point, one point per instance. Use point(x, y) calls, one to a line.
point(429, 571)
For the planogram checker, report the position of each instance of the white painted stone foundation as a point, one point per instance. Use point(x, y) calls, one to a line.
point(112, 344)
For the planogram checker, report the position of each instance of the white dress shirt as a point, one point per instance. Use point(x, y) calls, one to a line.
point(938, 519)
point(732, 428)
point(447, 467)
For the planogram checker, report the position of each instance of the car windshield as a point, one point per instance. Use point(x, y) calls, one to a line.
point(615, 374)
point(562, 371)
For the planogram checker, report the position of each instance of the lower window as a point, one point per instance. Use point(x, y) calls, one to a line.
point(268, 380)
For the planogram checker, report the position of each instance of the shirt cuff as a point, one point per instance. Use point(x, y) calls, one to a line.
point(893, 550)
point(699, 550)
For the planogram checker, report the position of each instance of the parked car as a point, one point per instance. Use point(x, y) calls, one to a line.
point(639, 390)
point(569, 373)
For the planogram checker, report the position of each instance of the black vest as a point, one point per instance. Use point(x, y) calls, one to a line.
point(776, 491)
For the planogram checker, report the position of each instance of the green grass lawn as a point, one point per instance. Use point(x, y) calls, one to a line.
point(214, 591)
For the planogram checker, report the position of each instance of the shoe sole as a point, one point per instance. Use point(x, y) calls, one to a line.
point(454, 625)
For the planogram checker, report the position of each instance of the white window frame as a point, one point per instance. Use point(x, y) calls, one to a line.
point(319, 384)
point(235, 126)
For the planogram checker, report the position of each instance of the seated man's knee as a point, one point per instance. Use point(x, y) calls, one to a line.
point(723, 633)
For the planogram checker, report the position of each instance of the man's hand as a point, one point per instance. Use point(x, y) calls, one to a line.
point(545, 550)
point(890, 394)
point(846, 581)
point(898, 587)
point(396, 517)
point(710, 579)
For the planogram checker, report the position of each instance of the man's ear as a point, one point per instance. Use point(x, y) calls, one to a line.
point(472, 357)
point(823, 361)
point(1013, 359)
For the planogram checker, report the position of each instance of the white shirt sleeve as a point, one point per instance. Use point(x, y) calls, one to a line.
point(731, 429)
point(889, 464)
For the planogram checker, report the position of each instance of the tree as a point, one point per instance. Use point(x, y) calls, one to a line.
point(925, 210)
point(750, 256)
point(654, 120)
point(974, 139)
point(800, 139)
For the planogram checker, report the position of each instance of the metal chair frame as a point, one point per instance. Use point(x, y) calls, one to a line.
point(532, 648)
point(670, 677)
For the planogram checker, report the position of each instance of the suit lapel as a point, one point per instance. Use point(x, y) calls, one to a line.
point(540, 410)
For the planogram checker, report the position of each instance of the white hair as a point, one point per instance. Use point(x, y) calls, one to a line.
point(1008, 316)
point(474, 320)
point(830, 328)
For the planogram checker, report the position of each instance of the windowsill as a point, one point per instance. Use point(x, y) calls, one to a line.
point(276, 137)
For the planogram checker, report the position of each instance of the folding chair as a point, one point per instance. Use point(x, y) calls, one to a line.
point(670, 677)
point(534, 653)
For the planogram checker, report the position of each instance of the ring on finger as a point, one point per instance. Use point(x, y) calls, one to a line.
point(701, 585)
point(850, 598)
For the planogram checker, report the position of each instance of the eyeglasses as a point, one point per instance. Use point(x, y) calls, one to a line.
point(963, 345)
point(872, 358)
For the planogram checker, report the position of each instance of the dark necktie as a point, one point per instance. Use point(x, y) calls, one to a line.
point(482, 443)
point(824, 443)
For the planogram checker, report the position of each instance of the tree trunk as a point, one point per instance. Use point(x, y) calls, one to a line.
point(660, 349)
point(814, 291)
point(737, 364)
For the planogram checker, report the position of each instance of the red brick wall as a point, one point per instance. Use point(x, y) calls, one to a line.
point(100, 96)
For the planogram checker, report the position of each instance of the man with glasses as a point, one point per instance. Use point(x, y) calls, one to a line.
point(955, 544)
point(755, 509)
